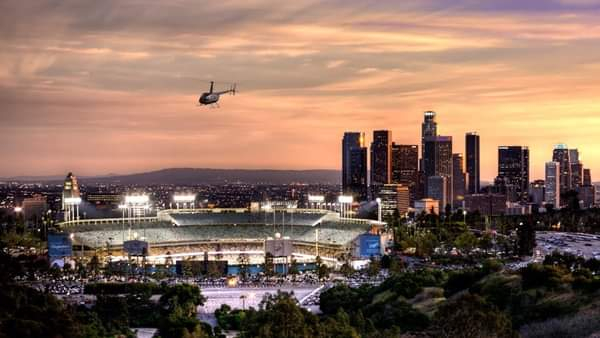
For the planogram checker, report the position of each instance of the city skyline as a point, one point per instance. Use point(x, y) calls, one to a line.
point(103, 88)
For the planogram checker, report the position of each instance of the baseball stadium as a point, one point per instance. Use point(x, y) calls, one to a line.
point(225, 234)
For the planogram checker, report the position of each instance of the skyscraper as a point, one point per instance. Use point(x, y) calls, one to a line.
point(537, 192)
point(552, 182)
point(458, 181)
point(437, 161)
point(574, 155)
point(473, 164)
point(428, 128)
point(381, 157)
point(513, 172)
point(405, 167)
point(587, 177)
point(576, 169)
point(437, 188)
point(354, 165)
point(587, 191)
point(561, 155)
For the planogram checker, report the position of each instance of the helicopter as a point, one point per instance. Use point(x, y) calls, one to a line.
point(212, 98)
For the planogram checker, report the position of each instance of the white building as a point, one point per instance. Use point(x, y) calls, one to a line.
point(394, 197)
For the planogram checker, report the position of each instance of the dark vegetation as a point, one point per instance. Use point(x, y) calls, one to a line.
point(478, 302)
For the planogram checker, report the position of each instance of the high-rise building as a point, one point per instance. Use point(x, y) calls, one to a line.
point(458, 181)
point(561, 154)
point(437, 161)
point(381, 157)
point(437, 188)
point(587, 195)
point(405, 167)
point(552, 190)
point(587, 191)
point(34, 208)
point(354, 165)
point(394, 197)
point(513, 172)
point(472, 162)
point(587, 177)
point(537, 192)
point(576, 175)
point(428, 129)
point(574, 155)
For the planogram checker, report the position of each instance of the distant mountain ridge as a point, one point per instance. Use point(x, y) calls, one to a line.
point(189, 176)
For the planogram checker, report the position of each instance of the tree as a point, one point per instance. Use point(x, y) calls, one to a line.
point(268, 266)
point(339, 326)
point(113, 313)
point(426, 243)
point(94, 265)
point(294, 270)
point(465, 242)
point(184, 296)
point(470, 316)
point(28, 313)
point(322, 269)
point(486, 242)
point(179, 304)
point(279, 316)
point(525, 239)
point(243, 262)
point(374, 266)
point(396, 265)
point(347, 270)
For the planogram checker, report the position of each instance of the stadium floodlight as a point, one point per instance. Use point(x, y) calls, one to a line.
point(184, 198)
point(137, 199)
point(343, 199)
point(73, 200)
point(316, 198)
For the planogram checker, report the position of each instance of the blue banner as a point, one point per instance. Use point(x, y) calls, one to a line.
point(59, 245)
point(370, 245)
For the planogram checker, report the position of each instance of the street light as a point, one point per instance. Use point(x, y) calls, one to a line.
point(378, 200)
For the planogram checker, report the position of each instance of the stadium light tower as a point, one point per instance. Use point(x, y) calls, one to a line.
point(187, 200)
point(136, 206)
point(345, 205)
point(315, 201)
point(72, 208)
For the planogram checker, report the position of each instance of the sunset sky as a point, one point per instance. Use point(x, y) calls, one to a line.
point(99, 87)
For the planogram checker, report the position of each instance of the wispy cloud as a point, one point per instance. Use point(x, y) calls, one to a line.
point(122, 78)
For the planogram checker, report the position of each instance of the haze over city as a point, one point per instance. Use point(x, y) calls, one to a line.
point(102, 87)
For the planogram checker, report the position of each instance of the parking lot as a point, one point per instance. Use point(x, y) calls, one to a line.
point(585, 245)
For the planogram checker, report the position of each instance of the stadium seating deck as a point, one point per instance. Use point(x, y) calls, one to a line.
point(230, 227)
